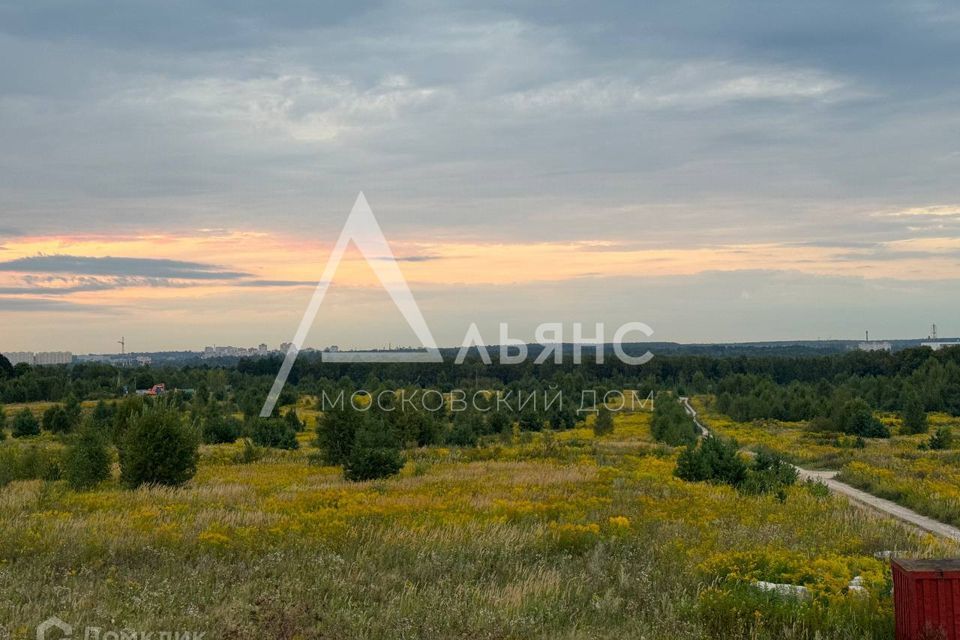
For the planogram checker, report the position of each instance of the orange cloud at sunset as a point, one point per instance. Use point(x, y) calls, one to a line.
point(265, 259)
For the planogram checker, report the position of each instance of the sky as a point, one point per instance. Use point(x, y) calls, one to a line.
point(176, 172)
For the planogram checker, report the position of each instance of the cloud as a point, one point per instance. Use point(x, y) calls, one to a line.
point(699, 85)
point(274, 283)
point(121, 267)
point(933, 211)
point(43, 304)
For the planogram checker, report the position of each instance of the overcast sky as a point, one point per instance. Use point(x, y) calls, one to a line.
point(177, 171)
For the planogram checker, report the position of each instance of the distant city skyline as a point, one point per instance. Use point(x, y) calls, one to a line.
point(178, 175)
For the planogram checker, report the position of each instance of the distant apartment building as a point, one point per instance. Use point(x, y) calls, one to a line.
point(874, 345)
point(18, 357)
point(234, 352)
point(42, 358)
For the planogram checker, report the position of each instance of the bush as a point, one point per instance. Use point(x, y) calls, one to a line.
point(604, 422)
point(941, 439)
point(462, 435)
point(914, 416)
point(531, 421)
point(102, 417)
point(157, 448)
point(56, 420)
point(25, 424)
point(671, 424)
point(219, 428)
point(3, 423)
point(87, 461)
point(500, 422)
point(337, 432)
point(375, 453)
point(273, 432)
point(249, 453)
point(29, 463)
point(293, 421)
point(466, 430)
point(715, 460)
point(855, 417)
point(769, 473)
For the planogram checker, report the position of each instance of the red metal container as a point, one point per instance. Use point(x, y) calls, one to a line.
point(926, 596)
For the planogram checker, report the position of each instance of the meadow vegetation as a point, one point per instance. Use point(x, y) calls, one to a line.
point(530, 534)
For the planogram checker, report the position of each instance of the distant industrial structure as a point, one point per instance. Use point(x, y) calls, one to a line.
point(41, 358)
point(936, 344)
point(867, 345)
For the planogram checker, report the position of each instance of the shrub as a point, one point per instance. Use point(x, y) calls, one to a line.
point(856, 418)
point(914, 416)
point(157, 448)
point(714, 460)
point(462, 435)
point(25, 424)
point(3, 423)
point(293, 421)
point(941, 439)
point(500, 422)
point(30, 462)
point(87, 461)
point(74, 411)
point(249, 453)
point(375, 453)
point(769, 473)
point(337, 433)
point(218, 428)
point(671, 424)
point(56, 420)
point(273, 432)
point(604, 422)
point(531, 421)
point(102, 417)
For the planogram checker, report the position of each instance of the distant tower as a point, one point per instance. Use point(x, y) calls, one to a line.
point(123, 345)
point(933, 332)
point(868, 336)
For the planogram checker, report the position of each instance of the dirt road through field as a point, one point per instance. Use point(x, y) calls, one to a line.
point(886, 507)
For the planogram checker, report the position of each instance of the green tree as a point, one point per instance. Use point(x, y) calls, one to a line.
point(101, 417)
point(375, 453)
point(56, 420)
point(914, 416)
point(941, 439)
point(3, 422)
point(74, 411)
point(273, 432)
point(217, 427)
point(25, 424)
point(671, 424)
point(465, 431)
point(714, 460)
point(604, 422)
point(157, 448)
point(293, 420)
point(500, 422)
point(337, 432)
point(87, 461)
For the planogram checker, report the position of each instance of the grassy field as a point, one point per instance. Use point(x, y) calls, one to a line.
point(896, 469)
point(546, 536)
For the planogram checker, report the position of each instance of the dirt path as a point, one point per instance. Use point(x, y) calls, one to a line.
point(886, 507)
